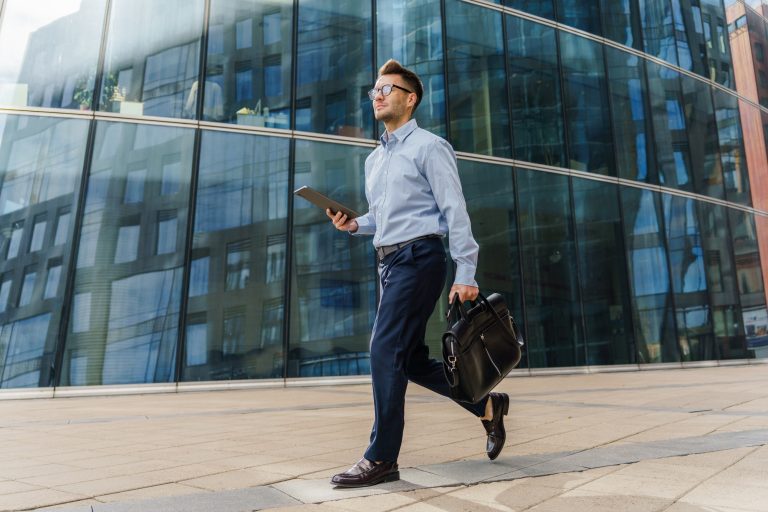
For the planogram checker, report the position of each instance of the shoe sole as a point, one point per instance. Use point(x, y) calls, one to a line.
point(390, 477)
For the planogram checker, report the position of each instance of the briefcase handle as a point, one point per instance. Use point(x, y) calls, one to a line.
point(457, 310)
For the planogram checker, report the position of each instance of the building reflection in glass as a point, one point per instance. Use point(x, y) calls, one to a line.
point(333, 280)
point(152, 57)
point(41, 160)
point(237, 281)
point(125, 314)
point(36, 73)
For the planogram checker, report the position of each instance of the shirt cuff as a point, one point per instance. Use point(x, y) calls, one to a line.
point(465, 274)
point(364, 226)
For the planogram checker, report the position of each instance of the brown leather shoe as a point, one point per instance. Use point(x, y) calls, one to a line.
point(366, 472)
point(497, 436)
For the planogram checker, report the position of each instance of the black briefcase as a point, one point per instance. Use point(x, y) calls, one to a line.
point(481, 346)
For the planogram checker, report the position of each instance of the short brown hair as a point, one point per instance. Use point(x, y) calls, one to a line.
point(392, 67)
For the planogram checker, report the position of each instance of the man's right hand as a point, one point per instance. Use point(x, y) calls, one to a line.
point(341, 222)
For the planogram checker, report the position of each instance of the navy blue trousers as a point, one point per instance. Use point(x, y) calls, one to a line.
point(411, 283)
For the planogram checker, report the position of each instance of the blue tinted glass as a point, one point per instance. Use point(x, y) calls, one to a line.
point(652, 312)
point(334, 67)
point(582, 14)
point(410, 32)
point(151, 66)
point(590, 137)
point(237, 279)
point(658, 29)
point(541, 8)
point(333, 303)
point(477, 89)
point(39, 179)
point(552, 304)
point(735, 173)
point(621, 22)
point(534, 82)
point(606, 303)
point(633, 133)
point(124, 322)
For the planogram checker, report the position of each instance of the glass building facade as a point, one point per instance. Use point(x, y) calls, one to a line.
point(613, 154)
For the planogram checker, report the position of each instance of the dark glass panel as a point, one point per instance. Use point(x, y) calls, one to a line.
point(490, 194)
point(534, 81)
point(237, 282)
point(554, 329)
point(152, 58)
point(695, 334)
point(735, 171)
point(721, 281)
point(652, 311)
point(749, 276)
point(706, 164)
point(658, 29)
point(248, 69)
point(543, 8)
point(333, 279)
point(708, 40)
point(588, 123)
point(125, 314)
point(582, 14)
point(41, 163)
point(633, 132)
point(334, 67)
point(477, 91)
point(685, 35)
point(410, 32)
point(669, 123)
point(48, 52)
point(621, 22)
point(606, 304)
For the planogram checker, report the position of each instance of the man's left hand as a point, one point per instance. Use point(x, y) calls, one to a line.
point(465, 292)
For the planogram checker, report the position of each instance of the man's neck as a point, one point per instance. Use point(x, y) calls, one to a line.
point(393, 125)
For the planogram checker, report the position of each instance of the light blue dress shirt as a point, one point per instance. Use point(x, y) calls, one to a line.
point(413, 189)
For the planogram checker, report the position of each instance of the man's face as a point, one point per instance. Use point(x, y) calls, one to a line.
point(395, 106)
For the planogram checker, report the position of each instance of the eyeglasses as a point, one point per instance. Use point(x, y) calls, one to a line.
point(385, 90)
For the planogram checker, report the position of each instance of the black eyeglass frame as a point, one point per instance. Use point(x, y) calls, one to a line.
point(386, 90)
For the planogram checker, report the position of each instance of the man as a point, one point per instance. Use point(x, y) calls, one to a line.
point(414, 199)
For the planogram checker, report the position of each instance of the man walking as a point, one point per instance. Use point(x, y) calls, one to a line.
point(414, 199)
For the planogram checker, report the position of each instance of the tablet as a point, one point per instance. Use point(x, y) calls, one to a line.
point(318, 199)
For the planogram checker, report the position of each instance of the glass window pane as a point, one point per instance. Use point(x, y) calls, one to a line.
point(621, 22)
point(477, 89)
point(652, 311)
point(590, 137)
point(489, 191)
point(42, 164)
point(669, 123)
point(554, 330)
point(334, 68)
point(706, 164)
point(582, 14)
point(729, 132)
point(606, 301)
point(48, 52)
point(658, 29)
point(334, 276)
point(248, 81)
point(543, 8)
point(633, 132)
point(152, 58)
point(124, 327)
point(695, 333)
point(537, 107)
point(410, 32)
point(237, 281)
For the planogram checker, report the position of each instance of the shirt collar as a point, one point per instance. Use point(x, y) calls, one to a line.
point(400, 134)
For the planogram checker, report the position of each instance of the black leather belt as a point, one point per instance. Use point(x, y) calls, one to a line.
point(385, 250)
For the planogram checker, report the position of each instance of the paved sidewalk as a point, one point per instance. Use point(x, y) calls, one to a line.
point(670, 440)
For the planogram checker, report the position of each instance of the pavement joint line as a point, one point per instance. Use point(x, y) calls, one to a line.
point(317, 491)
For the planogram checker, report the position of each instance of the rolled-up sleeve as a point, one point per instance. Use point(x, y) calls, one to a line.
point(443, 176)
